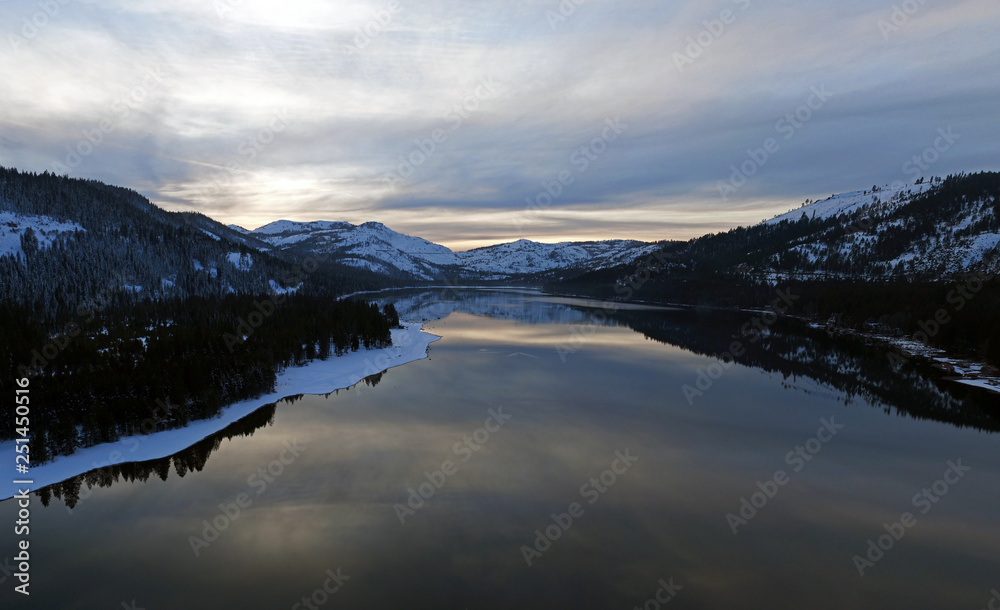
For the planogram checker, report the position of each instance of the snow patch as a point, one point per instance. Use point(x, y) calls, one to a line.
point(243, 262)
point(278, 289)
point(317, 377)
point(847, 203)
point(46, 228)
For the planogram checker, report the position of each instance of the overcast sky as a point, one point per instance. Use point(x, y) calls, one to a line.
point(474, 122)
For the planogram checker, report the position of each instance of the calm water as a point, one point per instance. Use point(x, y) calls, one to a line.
point(577, 390)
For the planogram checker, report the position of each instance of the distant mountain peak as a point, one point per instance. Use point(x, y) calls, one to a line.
point(375, 246)
point(929, 229)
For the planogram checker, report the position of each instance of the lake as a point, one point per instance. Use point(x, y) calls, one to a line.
point(557, 453)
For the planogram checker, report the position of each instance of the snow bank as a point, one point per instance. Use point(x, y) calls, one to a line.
point(985, 383)
point(318, 377)
point(240, 261)
point(13, 226)
point(846, 203)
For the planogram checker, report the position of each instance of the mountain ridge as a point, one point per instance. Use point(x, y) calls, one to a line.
point(375, 246)
point(89, 237)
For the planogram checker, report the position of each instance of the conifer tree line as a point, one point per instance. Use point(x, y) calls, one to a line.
point(138, 321)
point(192, 459)
point(128, 250)
point(737, 268)
point(792, 348)
point(158, 365)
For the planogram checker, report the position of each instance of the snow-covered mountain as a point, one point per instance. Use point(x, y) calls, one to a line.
point(378, 248)
point(371, 246)
point(521, 305)
point(924, 232)
point(65, 242)
point(925, 229)
point(529, 257)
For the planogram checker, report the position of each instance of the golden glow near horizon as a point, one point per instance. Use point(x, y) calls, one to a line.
point(474, 124)
point(449, 229)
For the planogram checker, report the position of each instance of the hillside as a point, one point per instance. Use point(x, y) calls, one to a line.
point(375, 247)
point(371, 246)
point(926, 231)
point(897, 259)
point(66, 242)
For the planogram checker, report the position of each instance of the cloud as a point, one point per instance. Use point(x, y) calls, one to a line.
point(363, 86)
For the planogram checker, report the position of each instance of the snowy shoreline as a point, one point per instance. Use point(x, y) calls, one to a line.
point(409, 344)
point(958, 370)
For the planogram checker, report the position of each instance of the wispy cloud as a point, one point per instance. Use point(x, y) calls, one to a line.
point(362, 84)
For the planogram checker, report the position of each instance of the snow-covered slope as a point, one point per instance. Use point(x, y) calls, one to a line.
point(926, 229)
point(119, 242)
point(374, 246)
point(528, 257)
point(316, 377)
point(884, 198)
point(371, 245)
point(13, 226)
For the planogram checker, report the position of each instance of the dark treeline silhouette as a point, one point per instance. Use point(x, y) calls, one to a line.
point(959, 315)
point(142, 319)
point(793, 349)
point(831, 272)
point(192, 459)
point(128, 250)
point(160, 364)
point(783, 345)
point(970, 304)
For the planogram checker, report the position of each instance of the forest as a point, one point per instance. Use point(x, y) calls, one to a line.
point(742, 269)
point(157, 365)
point(970, 304)
point(140, 320)
point(127, 250)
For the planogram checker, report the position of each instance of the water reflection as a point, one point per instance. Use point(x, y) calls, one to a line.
point(790, 348)
point(795, 350)
point(365, 449)
point(192, 459)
